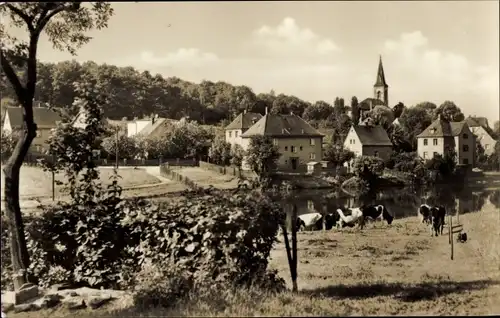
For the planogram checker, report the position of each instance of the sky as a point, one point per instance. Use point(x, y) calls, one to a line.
point(431, 50)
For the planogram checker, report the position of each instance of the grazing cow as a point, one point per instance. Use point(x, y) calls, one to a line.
point(438, 214)
point(424, 213)
point(314, 221)
point(360, 215)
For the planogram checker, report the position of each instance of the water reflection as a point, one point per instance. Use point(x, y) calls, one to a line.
point(400, 202)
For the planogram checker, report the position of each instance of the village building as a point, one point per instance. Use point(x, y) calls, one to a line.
point(368, 140)
point(45, 119)
point(478, 127)
point(298, 142)
point(239, 126)
point(380, 94)
point(441, 136)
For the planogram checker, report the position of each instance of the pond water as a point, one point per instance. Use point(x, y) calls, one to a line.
point(401, 203)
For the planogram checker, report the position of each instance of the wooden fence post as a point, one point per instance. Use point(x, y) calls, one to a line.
point(451, 235)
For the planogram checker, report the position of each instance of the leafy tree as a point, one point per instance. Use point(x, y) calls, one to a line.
point(493, 162)
point(355, 110)
point(262, 157)
point(337, 154)
point(65, 24)
point(237, 155)
point(317, 111)
point(220, 152)
point(449, 111)
point(127, 147)
point(397, 136)
point(444, 165)
point(382, 116)
point(414, 120)
point(429, 107)
point(397, 110)
point(410, 162)
point(369, 169)
point(481, 158)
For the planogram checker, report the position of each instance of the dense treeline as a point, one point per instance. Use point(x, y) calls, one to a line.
point(140, 94)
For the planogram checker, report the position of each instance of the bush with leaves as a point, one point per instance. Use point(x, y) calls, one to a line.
point(127, 147)
point(368, 169)
point(262, 157)
point(220, 152)
point(337, 154)
point(7, 144)
point(443, 165)
point(410, 162)
point(237, 155)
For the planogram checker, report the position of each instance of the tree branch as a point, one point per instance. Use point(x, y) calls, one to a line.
point(22, 15)
point(12, 77)
point(45, 19)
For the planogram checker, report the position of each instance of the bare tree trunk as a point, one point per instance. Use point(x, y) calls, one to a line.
point(294, 248)
point(18, 248)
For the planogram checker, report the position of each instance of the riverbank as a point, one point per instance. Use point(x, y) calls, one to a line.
point(381, 270)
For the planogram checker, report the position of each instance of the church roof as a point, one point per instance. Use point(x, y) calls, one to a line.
point(369, 103)
point(380, 81)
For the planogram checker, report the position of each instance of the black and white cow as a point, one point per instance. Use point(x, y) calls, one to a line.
point(424, 213)
point(314, 221)
point(438, 214)
point(359, 215)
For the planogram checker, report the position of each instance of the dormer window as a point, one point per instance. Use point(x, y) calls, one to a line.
point(433, 130)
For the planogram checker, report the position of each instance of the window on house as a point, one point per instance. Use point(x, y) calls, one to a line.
point(375, 153)
point(425, 154)
point(466, 161)
point(435, 154)
point(286, 148)
point(353, 141)
point(465, 148)
point(236, 133)
point(425, 142)
point(465, 136)
point(486, 146)
point(39, 133)
point(300, 148)
point(38, 148)
point(230, 134)
point(292, 148)
point(312, 156)
point(275, 141)
point(435, 142)
point(313, 142)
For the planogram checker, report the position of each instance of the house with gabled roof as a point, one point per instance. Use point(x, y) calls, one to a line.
point(240, 125)
point(441, 136)
point(478, 127)
point(45, 119)
point(368, 140)
point(298, 142)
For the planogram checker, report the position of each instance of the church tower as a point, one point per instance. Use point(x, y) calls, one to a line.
point(381, 89)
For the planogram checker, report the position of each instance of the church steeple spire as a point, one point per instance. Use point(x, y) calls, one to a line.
point(381, 89)
point(380, 74)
